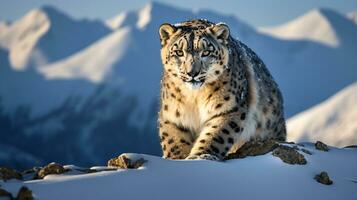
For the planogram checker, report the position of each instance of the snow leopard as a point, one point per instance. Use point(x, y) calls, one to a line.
point(216, 93)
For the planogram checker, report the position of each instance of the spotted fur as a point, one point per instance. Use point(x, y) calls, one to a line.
point(215, 93)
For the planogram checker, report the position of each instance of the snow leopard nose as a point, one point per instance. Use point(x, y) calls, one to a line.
point(193, 69)
point(193, 73)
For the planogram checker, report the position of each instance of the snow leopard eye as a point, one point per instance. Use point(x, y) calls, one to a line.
point(179, 53)
point(206, 53)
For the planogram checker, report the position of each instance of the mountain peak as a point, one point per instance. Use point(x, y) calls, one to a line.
point(25, 37)
point(325, 11)
point(316, 25)
point(353, 16)
point(52, 12)
point(144, 15)
point(157, 5)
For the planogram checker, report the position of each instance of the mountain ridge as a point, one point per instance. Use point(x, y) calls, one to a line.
point(332, 121)
point(316, 25)
point(31, 39)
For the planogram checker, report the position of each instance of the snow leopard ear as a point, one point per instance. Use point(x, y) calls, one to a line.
point(166, 30)
point(221, 31)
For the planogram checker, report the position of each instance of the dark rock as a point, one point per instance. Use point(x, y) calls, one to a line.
point(32, 170)
point(52, 168)
point(8, 173)
point(300, 144)
point(88, 170)
point(296, 147)
point(350, 146)
point(253, 148)
point(123, 162)
point(321, 146)
point(24, 194)
point(289, 155)
point(31, 174)
point(4, 193)
point(306, 151)
point(323, 178)
point(284, 142)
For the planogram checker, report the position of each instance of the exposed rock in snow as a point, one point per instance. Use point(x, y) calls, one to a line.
point(289, 155)
point(321, 146)
point(323, 178)
point(52, 168)
point(8, 173)
point(123, 162)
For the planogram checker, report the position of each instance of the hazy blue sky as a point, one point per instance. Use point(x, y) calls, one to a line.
point(255, 12)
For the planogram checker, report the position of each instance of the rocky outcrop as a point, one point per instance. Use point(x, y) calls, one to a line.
point(323, 178)
point(321, 146)
point(5, 194)
point(52, 168)
point(253, 148)
point(123, 162)
point(24, 194)
point(7, 174)
point(289, 155)
point(282, 150)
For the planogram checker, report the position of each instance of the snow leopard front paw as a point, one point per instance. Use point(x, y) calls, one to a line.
point(203, 157)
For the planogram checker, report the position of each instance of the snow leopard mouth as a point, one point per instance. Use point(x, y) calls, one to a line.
point(193, 84)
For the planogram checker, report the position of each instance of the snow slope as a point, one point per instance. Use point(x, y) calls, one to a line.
point(333, 121)
point(46, 34)
point(111, 48)
point(353, 16)
point(261, 177)
point(314, 26)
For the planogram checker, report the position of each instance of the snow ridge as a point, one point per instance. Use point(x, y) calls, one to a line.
point(314, 26)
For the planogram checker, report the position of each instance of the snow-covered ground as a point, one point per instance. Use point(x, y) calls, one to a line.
point(260, 177)
point(334, 121)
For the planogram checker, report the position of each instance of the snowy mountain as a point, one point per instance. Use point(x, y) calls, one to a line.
point(3, 27)
point(314, 25)
point(260, 177)
point(93, 86)
point(44, 35)
point(332, 121)
point(353, 16)
point(22, 158)
point(285, 58)
point(307, 66)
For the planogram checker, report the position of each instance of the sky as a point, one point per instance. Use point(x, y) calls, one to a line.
point(258, 13)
